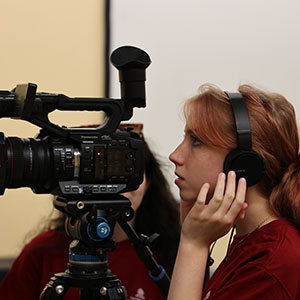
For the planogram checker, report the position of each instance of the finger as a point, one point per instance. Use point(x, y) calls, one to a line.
point(243, 211)
point(201, 199)
point(239, 200)
point(185, 207)
point(230, 190)
point(217, 198)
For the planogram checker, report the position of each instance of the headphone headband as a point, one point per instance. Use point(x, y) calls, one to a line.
point(243, 160)
point(241, 119)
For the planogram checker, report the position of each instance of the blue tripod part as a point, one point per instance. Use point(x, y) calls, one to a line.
point(84, 257)
point(160, 275)
point(103, 230)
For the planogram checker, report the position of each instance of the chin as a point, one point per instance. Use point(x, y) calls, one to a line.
point(188, 196)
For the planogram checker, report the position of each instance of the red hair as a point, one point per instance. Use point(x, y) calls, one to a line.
point(274, 136)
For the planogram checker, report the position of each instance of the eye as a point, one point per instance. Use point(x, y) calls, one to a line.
point(195, 140)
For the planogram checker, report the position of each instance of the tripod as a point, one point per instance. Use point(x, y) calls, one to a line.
point(90, 224)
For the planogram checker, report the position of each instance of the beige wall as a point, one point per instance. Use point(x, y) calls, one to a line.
point(58, 45)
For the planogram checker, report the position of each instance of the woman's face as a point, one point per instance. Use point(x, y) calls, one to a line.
point(136, 197)
point(196, 164)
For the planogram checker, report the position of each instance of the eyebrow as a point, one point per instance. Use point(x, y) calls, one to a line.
point(189, 131)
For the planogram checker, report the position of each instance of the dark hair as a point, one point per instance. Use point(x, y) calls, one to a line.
point(274, 133)
point(158, 213)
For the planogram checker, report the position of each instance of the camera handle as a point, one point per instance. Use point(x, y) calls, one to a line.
point(141, 245)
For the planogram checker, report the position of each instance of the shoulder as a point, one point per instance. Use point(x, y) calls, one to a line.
point(132, 272)
point(124, 246)
point(286, 249)
point(285, 240)
point(49, 241)
point(279, 255)
point(268, 259)
point(276, 242)
point(274, 237)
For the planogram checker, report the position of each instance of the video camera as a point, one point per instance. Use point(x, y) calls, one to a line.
point(76, 162)
point(87, 169)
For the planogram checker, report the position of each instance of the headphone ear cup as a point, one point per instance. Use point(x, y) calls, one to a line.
point(246, 163)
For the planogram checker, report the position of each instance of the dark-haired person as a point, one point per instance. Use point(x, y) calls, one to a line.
point(263, 261)
point(156, 212)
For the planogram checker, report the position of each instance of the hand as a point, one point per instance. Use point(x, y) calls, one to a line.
point(205, 223)
point(185, 207)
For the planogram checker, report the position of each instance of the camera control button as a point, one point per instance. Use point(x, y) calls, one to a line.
point(129, 169)
point(87, 149)
point(67, 189)
point(95, 189)
point(129, 156)
point(103, 189)
point(75, 189)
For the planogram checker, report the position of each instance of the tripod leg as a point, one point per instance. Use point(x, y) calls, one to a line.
point(54, 290)
point(104, 293)
point(89, 294)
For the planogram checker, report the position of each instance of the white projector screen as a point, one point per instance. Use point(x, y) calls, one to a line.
point(193, 42)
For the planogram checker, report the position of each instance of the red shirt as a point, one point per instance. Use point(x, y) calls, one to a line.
point(47, 254)
point(264, 265)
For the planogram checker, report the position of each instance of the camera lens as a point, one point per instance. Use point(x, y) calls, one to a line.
point(28, 162)
point(35, 163)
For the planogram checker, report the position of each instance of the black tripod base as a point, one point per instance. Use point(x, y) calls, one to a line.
point(91, 287)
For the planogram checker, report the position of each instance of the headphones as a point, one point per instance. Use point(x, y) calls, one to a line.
point(243, 160)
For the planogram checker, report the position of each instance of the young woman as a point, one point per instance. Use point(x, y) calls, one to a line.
point(263, 261)
point(156, 212)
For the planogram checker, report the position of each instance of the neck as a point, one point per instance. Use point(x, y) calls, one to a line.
point(258, 212)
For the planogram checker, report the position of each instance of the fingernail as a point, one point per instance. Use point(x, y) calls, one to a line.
point(222, 175)
point(242, 180)
point(206, 185)
point(232, 174)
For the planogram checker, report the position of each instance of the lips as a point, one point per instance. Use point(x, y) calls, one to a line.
point(179, 179)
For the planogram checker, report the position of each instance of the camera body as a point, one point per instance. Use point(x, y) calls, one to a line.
point(76, 162)
point(96, 162)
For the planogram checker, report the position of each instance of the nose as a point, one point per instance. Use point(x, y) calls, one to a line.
point(176, 156)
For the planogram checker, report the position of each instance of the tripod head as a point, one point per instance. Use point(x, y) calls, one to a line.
point(90, 223)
